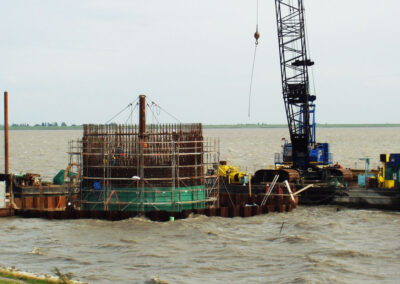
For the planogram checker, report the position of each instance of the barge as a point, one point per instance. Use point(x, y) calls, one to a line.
point(362, 189)
point(160, 171)
point(172, 171)
point(60, 202)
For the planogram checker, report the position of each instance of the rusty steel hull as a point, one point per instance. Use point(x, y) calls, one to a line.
point(346, 174)
point(353, 197)
point(6, 212)
point(232, 205)
point(55, 202)
point(42, 197)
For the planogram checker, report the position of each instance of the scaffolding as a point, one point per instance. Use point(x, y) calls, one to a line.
point(167, 167)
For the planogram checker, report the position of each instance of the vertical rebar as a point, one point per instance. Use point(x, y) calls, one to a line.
point(173, 174)
point(168, 155)
point(141, 145)
point(142, 130)
point(142, 115)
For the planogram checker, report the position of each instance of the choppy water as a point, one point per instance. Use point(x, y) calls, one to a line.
point(315, 245)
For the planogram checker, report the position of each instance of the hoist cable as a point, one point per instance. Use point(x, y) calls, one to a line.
point(251, 78)
point(256, 36)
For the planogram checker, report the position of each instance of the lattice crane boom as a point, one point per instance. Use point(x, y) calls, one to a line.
point(294, 63)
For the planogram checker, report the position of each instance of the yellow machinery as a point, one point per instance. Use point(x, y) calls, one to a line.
point(232, 174)
point(388, 176)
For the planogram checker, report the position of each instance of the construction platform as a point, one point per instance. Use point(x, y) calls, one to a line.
point(32, 199)
point(121, 171)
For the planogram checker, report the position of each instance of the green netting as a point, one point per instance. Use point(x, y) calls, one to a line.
point(337, 182)
point(59, 177)
point(130, 199)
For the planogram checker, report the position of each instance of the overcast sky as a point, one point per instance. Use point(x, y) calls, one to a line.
point(83, 61)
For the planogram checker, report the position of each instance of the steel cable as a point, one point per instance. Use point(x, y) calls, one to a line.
point(256, 36)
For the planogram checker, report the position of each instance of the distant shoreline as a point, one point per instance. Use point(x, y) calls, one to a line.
point(217, 126)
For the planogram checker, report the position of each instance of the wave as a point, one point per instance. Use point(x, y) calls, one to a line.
point(271, 239)
point(73, 260)
point(293, 239)
point(10, 228)
point(212, 234)
point(156, 280)
point(37, 251)
point(153, 255)
point(349, 253)
point(110, 245)
point(128, 241)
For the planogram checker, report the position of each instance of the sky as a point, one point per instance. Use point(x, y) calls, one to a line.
point(83, 61)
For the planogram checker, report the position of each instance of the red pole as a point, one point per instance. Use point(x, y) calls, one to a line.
point(6, 132)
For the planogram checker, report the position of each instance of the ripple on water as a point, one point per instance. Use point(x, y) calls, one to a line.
point(212, 234)
point(111, 245)
point(156, 280)
point(10, 229)
point(294, 239)
point(71, 259)
point(132, 241)
point(273, 239)
point(153, 255)
point(349, 253)
point(36, 251)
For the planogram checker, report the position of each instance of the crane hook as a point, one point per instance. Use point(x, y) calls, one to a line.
point(257, 35)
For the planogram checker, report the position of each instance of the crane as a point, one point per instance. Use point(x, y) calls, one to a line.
point(302, 159)
point(299, 103)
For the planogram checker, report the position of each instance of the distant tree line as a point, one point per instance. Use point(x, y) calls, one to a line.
point(43, 124)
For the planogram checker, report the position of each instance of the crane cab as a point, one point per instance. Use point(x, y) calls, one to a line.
point(319, 154)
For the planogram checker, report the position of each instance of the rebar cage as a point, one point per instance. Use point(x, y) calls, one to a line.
point(170, 167)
